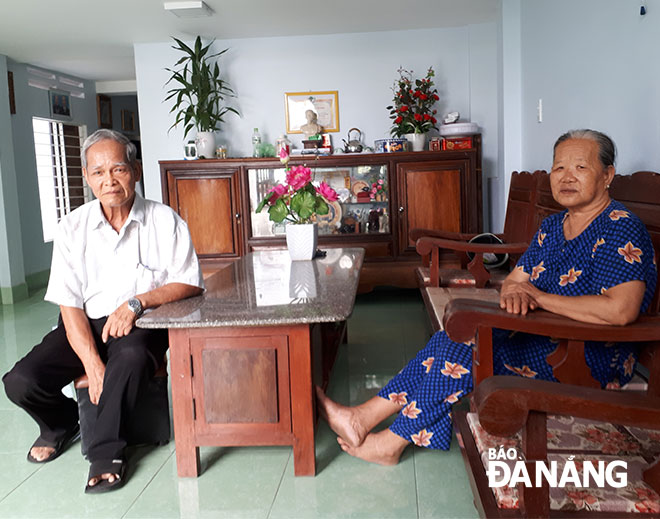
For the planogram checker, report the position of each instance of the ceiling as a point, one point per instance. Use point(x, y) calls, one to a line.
point(93, 39)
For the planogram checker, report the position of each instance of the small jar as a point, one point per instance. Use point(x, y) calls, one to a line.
point(283, 143)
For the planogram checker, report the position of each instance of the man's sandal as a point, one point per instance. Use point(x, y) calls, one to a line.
point(98, 468)
point(59, 447)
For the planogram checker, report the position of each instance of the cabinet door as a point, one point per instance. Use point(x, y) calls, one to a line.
point(210, 206)
point(430, 196)
point(240, 385)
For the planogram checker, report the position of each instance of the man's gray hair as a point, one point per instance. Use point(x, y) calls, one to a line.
point(130, 151)
point(606, 147)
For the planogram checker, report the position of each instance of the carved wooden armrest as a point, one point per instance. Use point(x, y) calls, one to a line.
point(426, 246)
point(503, 404)
point(506, 405)
point(463, 318)
point(418, 233)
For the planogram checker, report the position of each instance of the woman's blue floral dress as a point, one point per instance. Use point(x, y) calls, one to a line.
point(613, 249)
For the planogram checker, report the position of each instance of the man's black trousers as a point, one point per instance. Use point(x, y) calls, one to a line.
point(35, 384)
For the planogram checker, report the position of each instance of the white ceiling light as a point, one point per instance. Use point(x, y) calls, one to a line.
point(188, 9)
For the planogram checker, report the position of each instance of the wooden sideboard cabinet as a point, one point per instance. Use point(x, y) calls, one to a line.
point(428, 189)
point(208, 197)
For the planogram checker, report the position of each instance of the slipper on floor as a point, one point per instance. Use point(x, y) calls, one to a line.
point(98, 468)
point(66, 440)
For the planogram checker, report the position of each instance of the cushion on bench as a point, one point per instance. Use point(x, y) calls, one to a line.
point(582, 439)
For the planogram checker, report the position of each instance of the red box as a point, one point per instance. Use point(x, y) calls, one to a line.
point(363, 197)
point(435, 144)
point(457, 143)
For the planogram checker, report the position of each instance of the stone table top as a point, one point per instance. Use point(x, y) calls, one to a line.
point(266, 288)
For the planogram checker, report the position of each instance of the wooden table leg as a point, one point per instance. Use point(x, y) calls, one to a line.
point(187, 453)
point(302, 401)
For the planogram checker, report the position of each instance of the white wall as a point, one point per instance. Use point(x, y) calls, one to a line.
point(595, 65)
point(483, 104)
point(362, 67)
point(509, 110)
point(33, 102)
point(12, 273)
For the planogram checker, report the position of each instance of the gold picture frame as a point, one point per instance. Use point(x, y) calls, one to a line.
point(104, 111)
point(325, 104)
point(127, 121)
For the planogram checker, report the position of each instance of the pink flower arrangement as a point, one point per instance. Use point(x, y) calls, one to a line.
point(298, 177)
point(327, 192)
point(377, 188)
point(297, 200)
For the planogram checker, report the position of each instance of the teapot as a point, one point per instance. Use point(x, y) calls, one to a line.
point(353, 145)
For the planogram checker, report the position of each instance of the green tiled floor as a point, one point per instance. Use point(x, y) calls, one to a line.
point(386, 329)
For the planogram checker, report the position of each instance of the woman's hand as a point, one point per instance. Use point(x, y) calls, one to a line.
point(618, 305)
point(519, 297)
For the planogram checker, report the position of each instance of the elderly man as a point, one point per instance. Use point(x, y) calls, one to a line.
point(113, 258)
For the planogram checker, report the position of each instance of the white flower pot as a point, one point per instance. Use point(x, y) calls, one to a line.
point(417, 140)
point(301, 240)
point(205, 144)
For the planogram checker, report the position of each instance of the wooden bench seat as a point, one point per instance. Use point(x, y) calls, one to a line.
point(530, 201)
point(437, 298)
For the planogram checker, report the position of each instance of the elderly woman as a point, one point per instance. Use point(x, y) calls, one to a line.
point(593, 262)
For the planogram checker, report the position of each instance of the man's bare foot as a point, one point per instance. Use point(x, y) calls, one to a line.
point(345, 421)
point(41, 453)
point(383, 447)
point(96, 480)
point(105, 475)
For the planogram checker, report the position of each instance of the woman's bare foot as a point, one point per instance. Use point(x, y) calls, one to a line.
point(41, 453)
point(383, 447)
point(345, 421)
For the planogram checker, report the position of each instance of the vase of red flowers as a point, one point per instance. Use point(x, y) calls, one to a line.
point(416, 140)
point(412, 111)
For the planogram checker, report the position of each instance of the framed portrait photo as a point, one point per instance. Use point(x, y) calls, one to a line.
point(127, 121)
point(104, 111)
point(60, 104)
point(325, 104)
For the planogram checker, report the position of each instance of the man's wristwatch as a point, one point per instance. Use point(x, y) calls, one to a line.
point(135, 305)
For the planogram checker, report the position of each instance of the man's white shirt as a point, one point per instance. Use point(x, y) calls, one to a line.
point(97, 269)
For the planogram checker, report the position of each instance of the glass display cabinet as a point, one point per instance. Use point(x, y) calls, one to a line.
point(382, 198)
point(363, 205)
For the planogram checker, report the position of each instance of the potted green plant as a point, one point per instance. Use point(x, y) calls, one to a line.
point(199, 94)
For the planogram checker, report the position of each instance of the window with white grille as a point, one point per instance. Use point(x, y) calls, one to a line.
point(62, 187)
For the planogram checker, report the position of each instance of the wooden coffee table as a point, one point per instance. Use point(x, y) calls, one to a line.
point(246, 354)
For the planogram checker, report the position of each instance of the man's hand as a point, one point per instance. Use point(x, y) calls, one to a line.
point(119, 323)
point(95, 374)
point(519, 297)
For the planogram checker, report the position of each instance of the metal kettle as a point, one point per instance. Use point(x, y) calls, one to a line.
point(353, 145)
